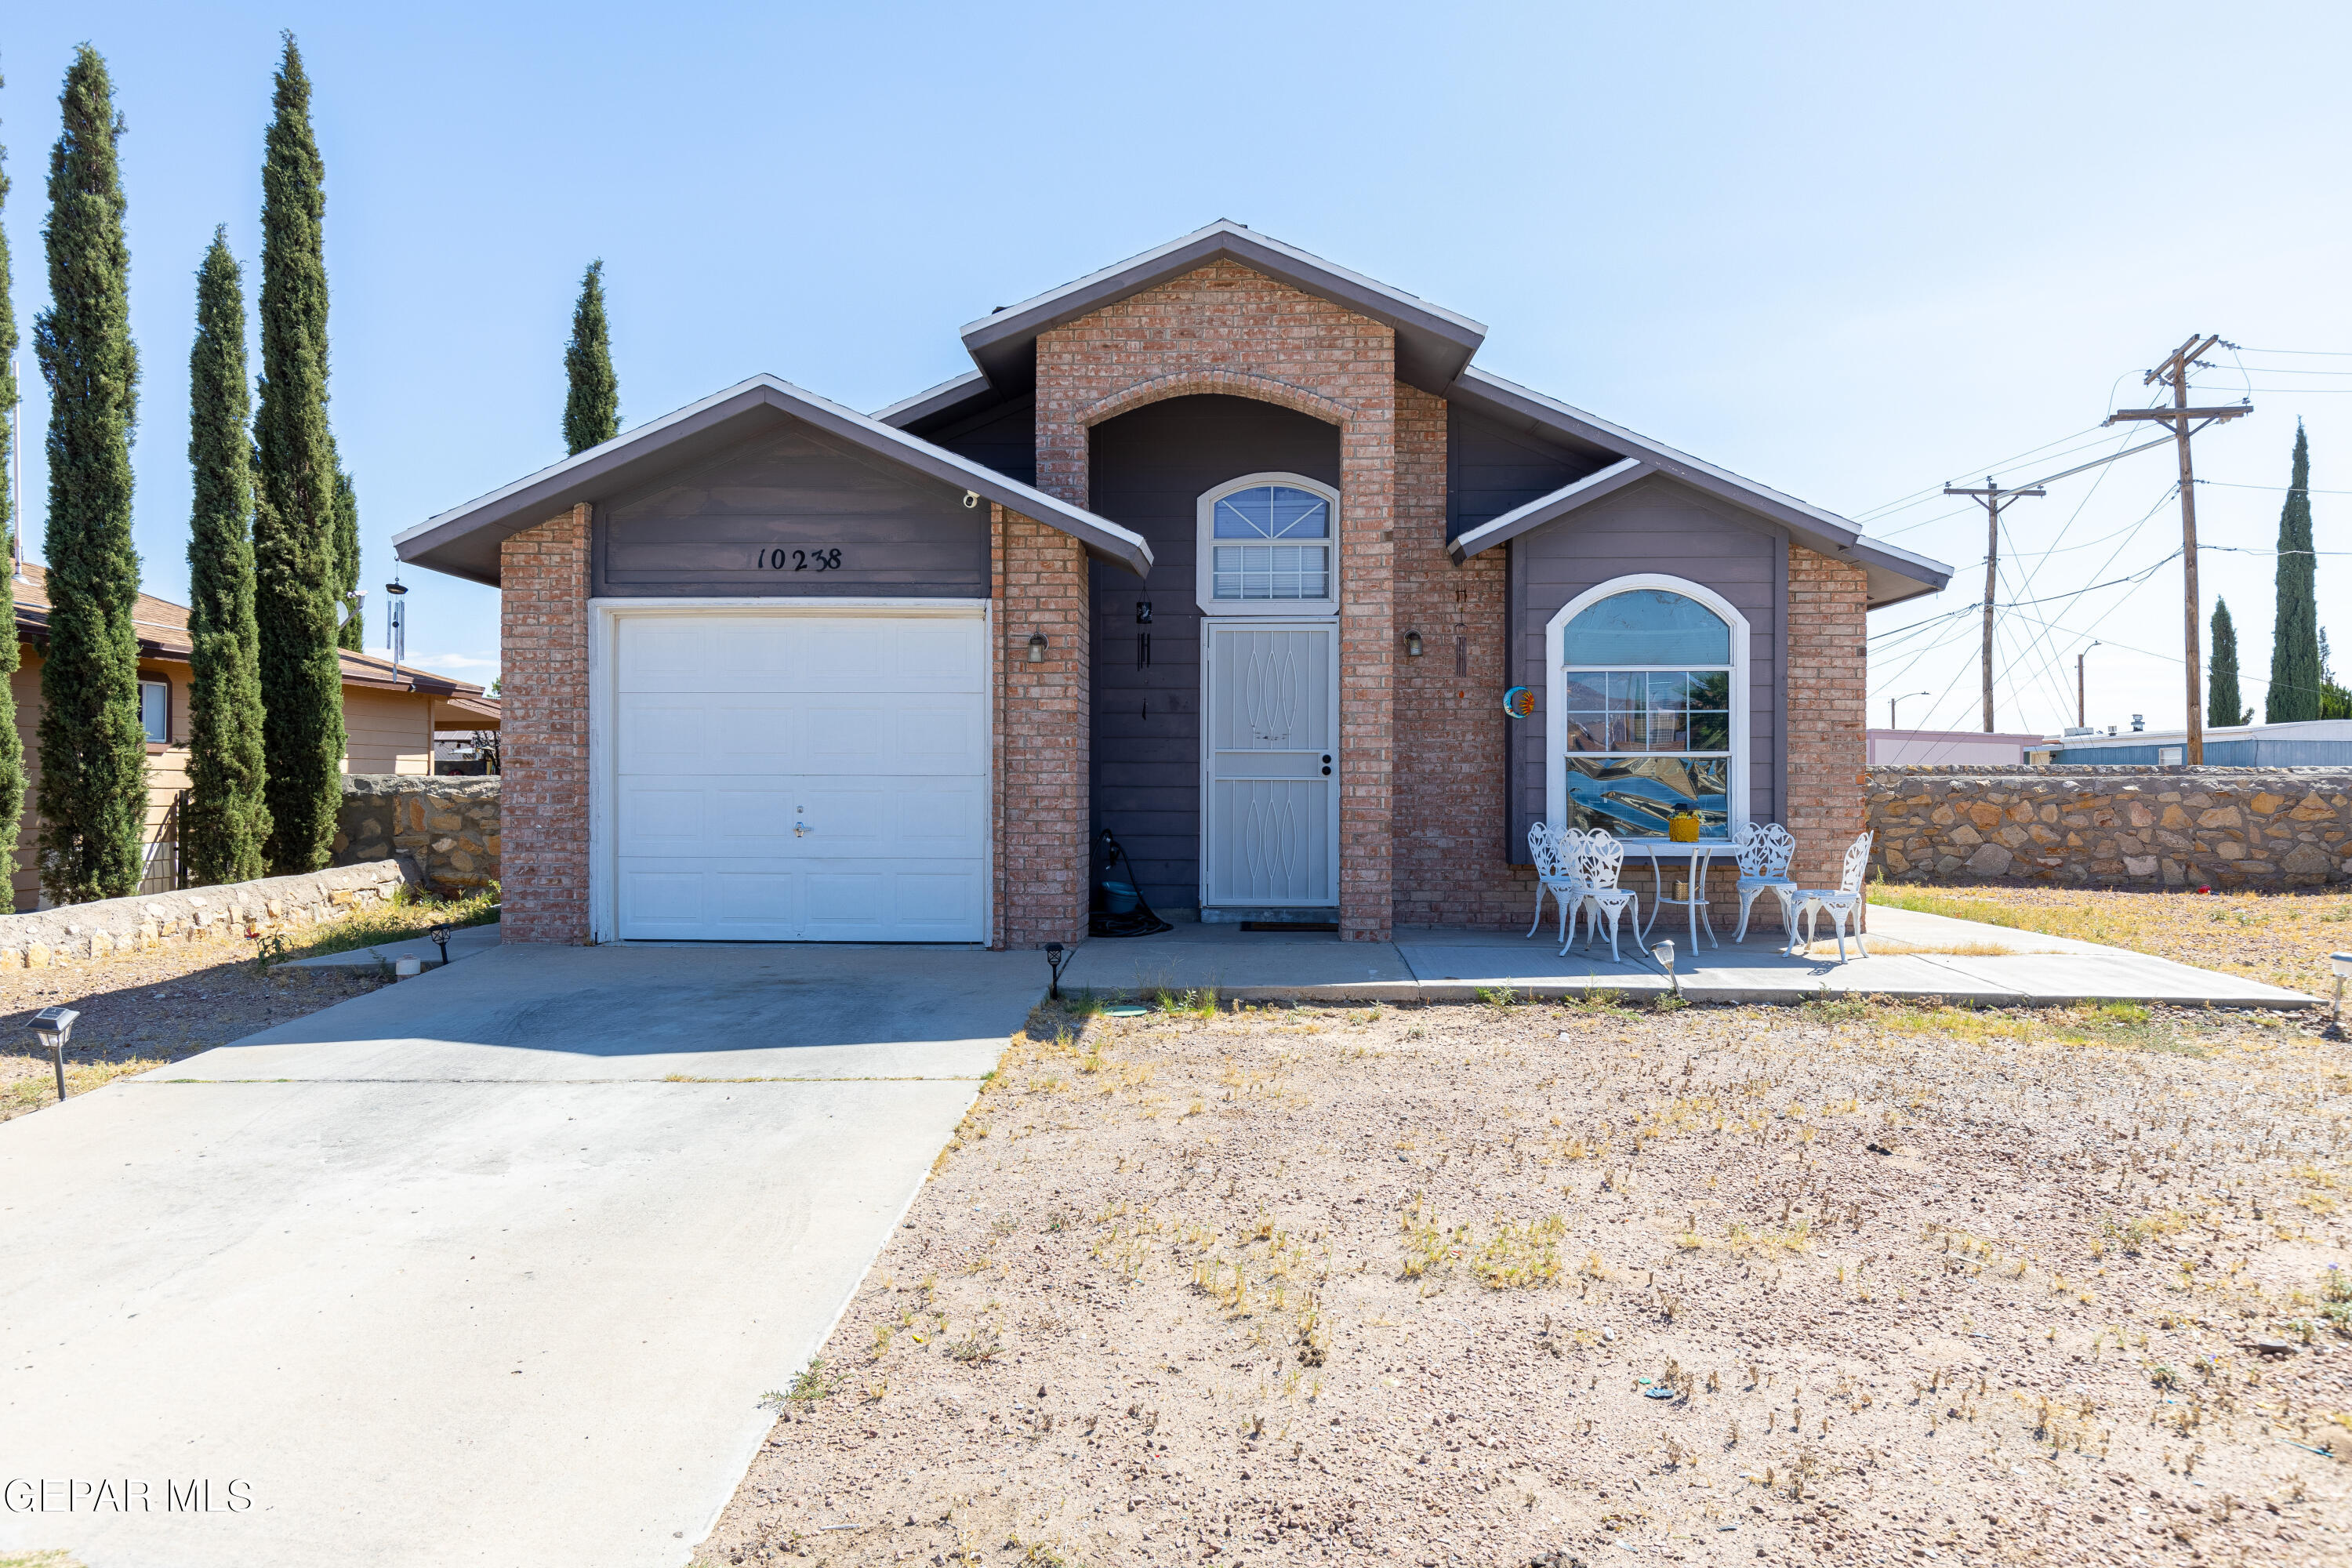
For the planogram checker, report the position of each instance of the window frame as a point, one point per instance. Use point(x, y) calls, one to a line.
point(165, 681)
point(1742, 751)
point(1205, 540)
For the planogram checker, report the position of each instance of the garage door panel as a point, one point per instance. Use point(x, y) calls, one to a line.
point(868, 730)
point(750, 821)
point(660, 821)
point(891, 901)
point(756, 903)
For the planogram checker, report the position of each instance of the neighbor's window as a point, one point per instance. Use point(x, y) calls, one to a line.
point(1648, 714)
point(1269, 543)
point(155, 710)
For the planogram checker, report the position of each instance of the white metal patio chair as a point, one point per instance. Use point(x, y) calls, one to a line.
point(1763, 850)
point(1556, 873)
point(1603, 857)
point(1840, 903)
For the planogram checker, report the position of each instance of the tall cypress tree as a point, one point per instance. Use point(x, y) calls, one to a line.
point(12, 746)
point(296, 569)
point(93, 791)
point(227, 819)
point(2223, 707)
point(592, 404)
point(2295, 636)
point(352, 634)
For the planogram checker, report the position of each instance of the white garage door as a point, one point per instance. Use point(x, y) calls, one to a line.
point(800, 777)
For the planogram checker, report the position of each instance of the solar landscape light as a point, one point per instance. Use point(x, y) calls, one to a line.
point(2341, 963)
point(440, 935)
point(1057, 955)
point(1664, 953)
point(55, 1027)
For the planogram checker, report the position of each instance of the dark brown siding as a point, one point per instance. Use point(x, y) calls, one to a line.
point(1149, 469)
point(706, 529)
point(1490, 469)
point(1661, 526)
point(1003, 437)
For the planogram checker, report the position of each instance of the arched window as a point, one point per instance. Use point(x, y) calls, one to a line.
point(1648, 709)
point(1268, 545)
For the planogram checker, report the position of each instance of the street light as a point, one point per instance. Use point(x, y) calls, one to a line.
point(55, 1027)
point(2080, 707)
point(1905, 697)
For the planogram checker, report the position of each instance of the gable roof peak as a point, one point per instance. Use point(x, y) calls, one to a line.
point(1434, 344)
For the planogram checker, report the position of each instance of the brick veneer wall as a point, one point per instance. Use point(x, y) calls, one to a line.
point(1043, 731)
point(1225, 329)
point(1827, 687)
point(1453, 867)
point(543, 670)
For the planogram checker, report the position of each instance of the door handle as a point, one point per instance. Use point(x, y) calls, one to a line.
point(1327, 764)
point(800, 829)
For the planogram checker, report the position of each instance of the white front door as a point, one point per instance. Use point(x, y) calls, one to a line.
point(1270, 753)
point(794, 777)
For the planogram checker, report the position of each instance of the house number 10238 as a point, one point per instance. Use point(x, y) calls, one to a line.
point(782, 560)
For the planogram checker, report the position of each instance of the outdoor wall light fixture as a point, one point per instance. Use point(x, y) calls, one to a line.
point(1057, 955)
point(1664, 953)
point(55, 1027)
point(1036, 647)
point(1413, 644)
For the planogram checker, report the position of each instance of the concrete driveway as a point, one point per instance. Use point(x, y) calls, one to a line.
point(489, 1267)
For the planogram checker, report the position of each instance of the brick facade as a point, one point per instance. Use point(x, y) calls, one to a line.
point(544, 632)
point(1453, 867)
point(1225, 329)
point(1828, 682)
point(1043, 733)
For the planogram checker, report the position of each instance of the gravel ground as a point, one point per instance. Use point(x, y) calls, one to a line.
point(2283, 938)
point(139, 1010)
point(1550, 1285)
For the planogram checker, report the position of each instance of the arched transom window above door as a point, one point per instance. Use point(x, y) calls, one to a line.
point(1269, 546)
point(1648, 709)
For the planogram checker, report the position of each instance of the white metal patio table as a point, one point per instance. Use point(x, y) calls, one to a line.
point(1699, 855)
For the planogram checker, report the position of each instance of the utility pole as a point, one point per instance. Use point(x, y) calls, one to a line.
point(1993, 498)
point(2185, 422)
point(2080, 722)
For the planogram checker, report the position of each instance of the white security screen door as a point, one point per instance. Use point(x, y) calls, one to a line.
point(1270, 828)
point(805, 777)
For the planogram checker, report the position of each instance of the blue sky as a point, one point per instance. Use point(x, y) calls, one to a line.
point(1849, 251)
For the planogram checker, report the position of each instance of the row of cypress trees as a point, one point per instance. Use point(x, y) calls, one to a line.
point(273, 547)
point(2301, 685)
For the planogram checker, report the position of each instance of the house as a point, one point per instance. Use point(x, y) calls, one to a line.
point(1949, 747)
point(388, 714)
point(1225, 551)
point(2301, 744)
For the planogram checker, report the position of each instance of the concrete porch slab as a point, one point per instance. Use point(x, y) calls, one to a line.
point(1452, 965)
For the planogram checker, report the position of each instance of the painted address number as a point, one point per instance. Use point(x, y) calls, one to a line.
point(782, 560)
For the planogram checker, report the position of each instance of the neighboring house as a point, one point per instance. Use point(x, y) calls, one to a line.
point(1949, 747)
point(389, 717)
point(1226, 551)
point(2306, 744)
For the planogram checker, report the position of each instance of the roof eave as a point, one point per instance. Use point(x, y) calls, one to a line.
point(532, 499)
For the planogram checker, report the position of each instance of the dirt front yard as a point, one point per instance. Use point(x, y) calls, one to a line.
point(1849, 1282)
point(140, 1010)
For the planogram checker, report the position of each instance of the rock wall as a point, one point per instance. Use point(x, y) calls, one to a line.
point(253, 908)
point(446, 829)
point(2259, 828)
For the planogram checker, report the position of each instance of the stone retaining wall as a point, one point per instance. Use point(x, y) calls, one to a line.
point(253, 908)
point(2258, 828)
point(446, 829)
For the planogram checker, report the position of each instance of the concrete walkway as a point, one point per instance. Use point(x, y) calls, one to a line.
point(1914, 956)
point(490, 1267)
point(464, 942)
